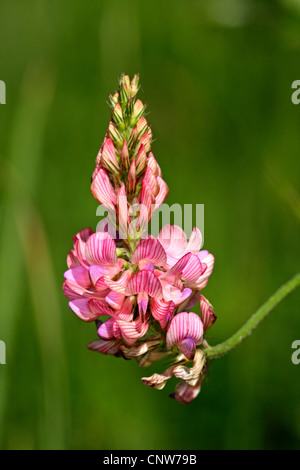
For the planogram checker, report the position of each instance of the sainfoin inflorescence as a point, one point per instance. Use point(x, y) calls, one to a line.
point(140, 289)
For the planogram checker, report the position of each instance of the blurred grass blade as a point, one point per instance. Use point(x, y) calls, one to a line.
point(23, 239)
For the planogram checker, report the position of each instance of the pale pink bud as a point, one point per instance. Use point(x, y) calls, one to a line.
point(145, 140)
point(138, 110)
point(142, 126)
point(134, 86)
point(118, 117)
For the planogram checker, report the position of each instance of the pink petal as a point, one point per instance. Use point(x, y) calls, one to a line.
point(122, 210)
point(207, 313)
point(172, 293)
point(126, 311)
point(106, 330)
point(72, 260)
point(173, 240)
point(99, 307)
point(187, 347)
point(133, 330)
point(149, 251)
point(103, 190)
point(101, 249)
point(144, 281)
point(81, 308)
point(78, 275)
point(121, 284)
point(105, 347)
point(162, 193)
point(184, 325)
point(203, 280)
point(115, 299)
point(108, 156)
point(193, 270)
point(69, 292)
point(96, 272)
point(195, 241)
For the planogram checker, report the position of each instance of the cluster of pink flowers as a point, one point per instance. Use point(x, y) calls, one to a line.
point(141, 287)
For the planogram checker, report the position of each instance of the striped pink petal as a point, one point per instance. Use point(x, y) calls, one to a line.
point(195, 241)
point(99, 307)
point(162, 311)
point(142, 299)
point(105, 347)
point(144, 281)
point(78, 275)
point(132, 330)
point(193, 270)
point(115, 300)
point(162, 193)
point(108, 156)
point(172, 293)
point(152, 163)
point(184, 325)
point(96, 272)
point(149, 251)
point(101, 249)
point(121, 283)
point(203, 280)
point(69, 292)
point(81, 308)
point(103, 190)
point(79, 245)
point(126, 311)
point(207, 313)
point(72, 260)
point(173, 239)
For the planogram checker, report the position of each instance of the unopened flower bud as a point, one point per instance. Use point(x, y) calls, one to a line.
point(131, 180)
point(133, 137)
point(113, 99)
point(118, 117)
point(138, 110)
point(145, 140)
point(115, 135)
point(134, 87)
point(125, 156)
point(142, 126)
point(141, 161)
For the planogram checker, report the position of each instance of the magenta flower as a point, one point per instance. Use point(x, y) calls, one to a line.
point(139, 289)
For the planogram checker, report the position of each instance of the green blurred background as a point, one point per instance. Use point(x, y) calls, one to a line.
point(217, 76)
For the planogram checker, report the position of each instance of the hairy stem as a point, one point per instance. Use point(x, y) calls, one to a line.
point(223, 348)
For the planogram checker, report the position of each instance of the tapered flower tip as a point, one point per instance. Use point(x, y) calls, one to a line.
point(108, 157)
point(207, 313)
point(185, 331)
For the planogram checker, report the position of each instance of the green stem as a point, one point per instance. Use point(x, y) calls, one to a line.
point(223, 348)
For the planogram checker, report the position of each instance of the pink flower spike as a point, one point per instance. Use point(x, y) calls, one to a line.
point(144, 281)
point(182, 327)
point(101, 249)
point(207, 313)
point(149, 251)
point(78, 275)
point(81, 308)
point(103, 190)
